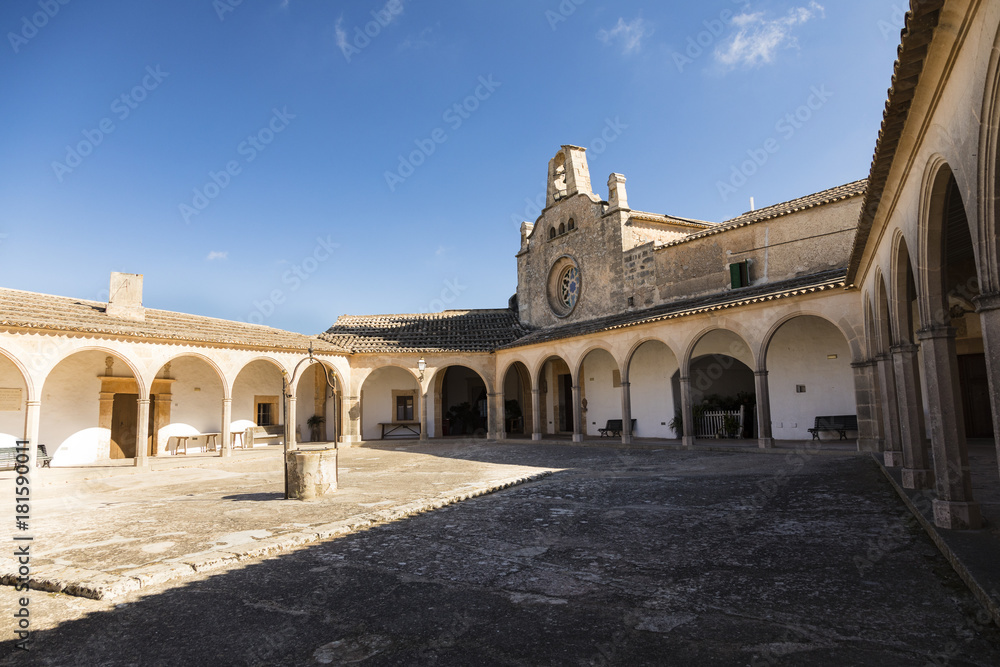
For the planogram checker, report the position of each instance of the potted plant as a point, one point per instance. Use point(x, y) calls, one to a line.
point(730, 426)
point(677, 424)
point(315, 425)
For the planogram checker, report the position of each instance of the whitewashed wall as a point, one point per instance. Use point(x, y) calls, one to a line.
point(376, 399)
point(604, 400)
point(71, 408)
point(653, 400)
point(798, 356)
point(259, 378)
point(196, 402)
point(12, 421)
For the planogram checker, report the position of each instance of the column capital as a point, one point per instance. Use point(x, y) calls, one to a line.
point(761, 373)
point(882, 356)
point(227, 400)
point(937, 331)
point(864, 363)
point(33, 404)
point(685, 378)
point(987, 302)
point(143, 401)
point(626, 385)
point(904, 348)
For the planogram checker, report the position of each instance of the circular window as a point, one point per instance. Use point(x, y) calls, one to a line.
point(564, 286)
point(569, 287)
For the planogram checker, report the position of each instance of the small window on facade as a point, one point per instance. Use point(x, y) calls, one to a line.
point(552, 233)
point(562, 228)
point(265, 414)
point(739, 274)
point(572, 224)
point(404, 408)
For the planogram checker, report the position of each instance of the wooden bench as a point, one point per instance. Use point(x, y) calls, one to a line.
point(262, 433)
point(8, 457)
point(841, 424)
point(614, 428)
point(404, 428)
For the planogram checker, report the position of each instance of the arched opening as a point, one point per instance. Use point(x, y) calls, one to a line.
point(460, 402)
point(571, 225)
point(188, 400)
point(555, 386)
point(518, 415)
point(723, 391)
point(656, 406)
point(809, 375)
point(90, 410)
point(13, 403)
point(390, 404)
point(600, 390)
point(552, 232)
point(259, 400)
point(562, 228)
point(316, 404)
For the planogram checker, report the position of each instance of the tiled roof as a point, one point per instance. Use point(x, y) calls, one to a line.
point(670, 219)
point(817, 282)
point(921, 21)
point(30, 310)
point(830, 196)
point(450, 331)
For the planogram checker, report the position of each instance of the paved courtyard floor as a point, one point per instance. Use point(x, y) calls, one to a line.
point(619, 556)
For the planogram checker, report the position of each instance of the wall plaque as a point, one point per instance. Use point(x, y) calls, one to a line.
point(10, 399)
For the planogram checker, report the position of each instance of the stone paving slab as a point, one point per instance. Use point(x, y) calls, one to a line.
point(103, 538)
point(629, 557)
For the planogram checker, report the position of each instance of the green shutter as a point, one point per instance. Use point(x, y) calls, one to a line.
point(735, 275)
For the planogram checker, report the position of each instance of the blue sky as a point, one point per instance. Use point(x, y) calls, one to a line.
point(269, 161)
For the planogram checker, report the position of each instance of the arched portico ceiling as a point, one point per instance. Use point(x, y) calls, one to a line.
point(131, 364)
point(851, 338)
point(202, 358)
point(720, 341)
point(536, 373)
point(594, 349)
point(25, 377)
point(902, 290)
point(440, 371)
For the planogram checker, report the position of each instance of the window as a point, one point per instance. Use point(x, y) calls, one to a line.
point(739, 274)
point(266, 410)
point(404, 408)
point(552, 232)
point(569, 287)
point(572, 225)
point(562, 228)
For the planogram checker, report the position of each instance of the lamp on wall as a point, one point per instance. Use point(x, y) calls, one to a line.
point(421, 366)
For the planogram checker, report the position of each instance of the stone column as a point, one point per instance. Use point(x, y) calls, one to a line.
point(422, 397)
point(351, 420)
point(32, 424)
point(687, 413)
point(988, 307)
point(893, 455)
point(916, 470)
point(626, 413)
point(954, 507)
point(106, 403)
point(577, 415)
point(765, 437)
point(864, 399)
point(536, 414)
point(495, 417)
point(291, 443)
point(226, 449)
point(142, 433)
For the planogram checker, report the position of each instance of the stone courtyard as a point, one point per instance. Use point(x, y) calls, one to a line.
point(604, 555)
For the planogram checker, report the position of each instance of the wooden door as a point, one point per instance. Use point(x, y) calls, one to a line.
point(124, 422)
point(975, 395)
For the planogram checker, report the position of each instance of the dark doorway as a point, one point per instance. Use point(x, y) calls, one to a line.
point(124, 423)
point(975, 395)
point(566, 403)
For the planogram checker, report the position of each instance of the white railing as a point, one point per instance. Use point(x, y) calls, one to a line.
point(710, 424)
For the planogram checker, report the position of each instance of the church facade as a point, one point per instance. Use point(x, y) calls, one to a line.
point(877, 299)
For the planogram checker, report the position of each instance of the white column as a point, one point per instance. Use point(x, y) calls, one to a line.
point(765, 439)
point(916, 467)
point(422, 397)
point(626, 413)
point(577, 415)
point(291, 444)
point(142, 433)
point(536, 414)
point(226, 448)
point(32, 424)
point(893, 455)
point(687, 413)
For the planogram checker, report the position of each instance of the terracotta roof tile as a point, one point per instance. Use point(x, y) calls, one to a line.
point(30, 310)
point(450, 331)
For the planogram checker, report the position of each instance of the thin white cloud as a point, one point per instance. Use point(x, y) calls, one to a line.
point(341, 34)
point(628, 34)
point(217, 254)
point(757, 39)
point(419, 41)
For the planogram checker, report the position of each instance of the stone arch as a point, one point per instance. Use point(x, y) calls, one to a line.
point(13, 375)
point(208, 360)
point(82, 384)
point(578, 362)
point(516, 386)
point(458, 412)
point(599, 379)
point(851, 338)
point(989, 175)
point(181, 406)
point(316, 398)
point(259, 400)
point(654, 388)
point(382, 396)
point(555, 393)
point(903, 292)
point(720, 365)
point(698, 337)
